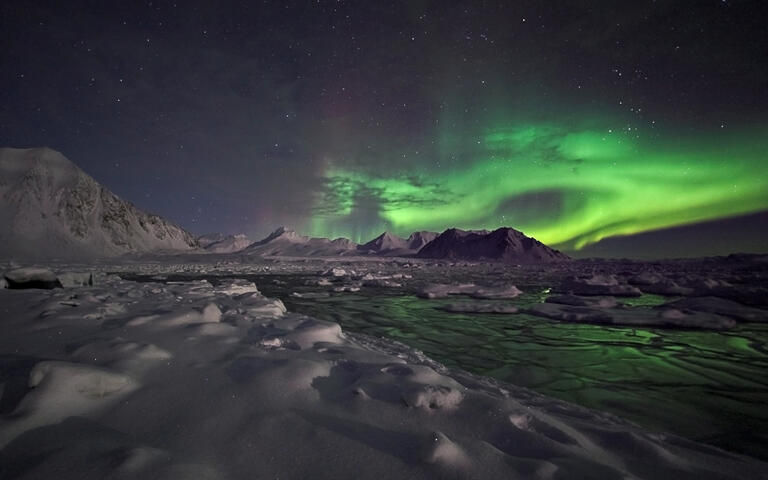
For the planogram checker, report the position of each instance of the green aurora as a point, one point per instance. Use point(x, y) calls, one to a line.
point(567, 187)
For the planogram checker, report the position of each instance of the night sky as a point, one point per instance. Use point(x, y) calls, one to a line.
point(573, 121)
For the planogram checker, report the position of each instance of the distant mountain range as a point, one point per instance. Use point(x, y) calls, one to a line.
point(501, 245)
point(49, 208)
point(287, 243)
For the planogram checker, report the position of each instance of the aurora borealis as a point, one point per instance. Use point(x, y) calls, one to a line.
point(577, 122)
point(567, 187)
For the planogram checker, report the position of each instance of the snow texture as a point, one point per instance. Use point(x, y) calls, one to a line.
point(190, 379)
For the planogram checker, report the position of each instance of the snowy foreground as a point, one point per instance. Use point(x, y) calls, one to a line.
point(190, 380)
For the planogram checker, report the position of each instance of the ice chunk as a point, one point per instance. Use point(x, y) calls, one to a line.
point(32, 277)
point(334, 272)
point(76, 279)
point(238, 287)
point(309, 295)
point(598, 285)
point(721, 306)
point(211, 313)
point(477, 307)
point(632, 316)
point(438, 290)
point(575, 300)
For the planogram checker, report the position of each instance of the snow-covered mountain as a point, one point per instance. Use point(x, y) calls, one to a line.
point(287, 243)
point(383, 244)
point(417, 240)
point(220, 243)
point(49, 208)
point(504, 244)
point(210, 239)
point(388, 244)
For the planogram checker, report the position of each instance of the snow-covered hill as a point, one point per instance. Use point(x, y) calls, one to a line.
point(49, 208)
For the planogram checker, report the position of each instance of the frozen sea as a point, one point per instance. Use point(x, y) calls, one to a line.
point(222, 367)
point(705, 385)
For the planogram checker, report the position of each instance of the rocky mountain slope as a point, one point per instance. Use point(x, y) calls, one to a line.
point(49, 208)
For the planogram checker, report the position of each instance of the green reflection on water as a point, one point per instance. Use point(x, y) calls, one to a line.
point(708, 386)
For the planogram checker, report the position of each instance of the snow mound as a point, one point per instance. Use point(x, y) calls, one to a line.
point(120, 354)
point(61, 390)
point(210, 313)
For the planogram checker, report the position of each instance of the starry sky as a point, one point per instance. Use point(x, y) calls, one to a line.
point(599, 127)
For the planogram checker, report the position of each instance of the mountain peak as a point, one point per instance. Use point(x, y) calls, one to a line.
point(385, 242)
point(503, 244)
point(220, 243)
point(52, 208)
point(286, 233)
point(417, 240)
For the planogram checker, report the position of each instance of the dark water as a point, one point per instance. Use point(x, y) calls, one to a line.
point(707, 386)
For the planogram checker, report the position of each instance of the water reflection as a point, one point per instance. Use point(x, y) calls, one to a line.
point(708, 386)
